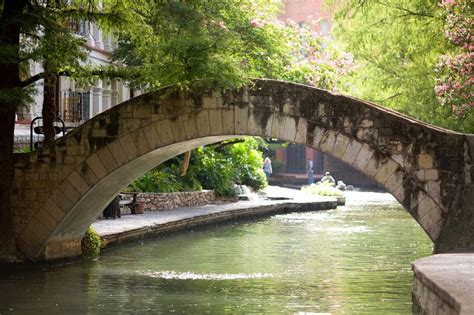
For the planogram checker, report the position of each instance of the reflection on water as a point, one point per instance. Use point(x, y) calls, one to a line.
point(355, 259)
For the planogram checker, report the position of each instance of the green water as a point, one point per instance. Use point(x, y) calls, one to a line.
point(353, 260)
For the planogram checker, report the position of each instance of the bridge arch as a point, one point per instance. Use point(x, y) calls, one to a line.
point(60, 190)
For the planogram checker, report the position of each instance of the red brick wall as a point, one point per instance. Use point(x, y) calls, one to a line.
point(306, 11)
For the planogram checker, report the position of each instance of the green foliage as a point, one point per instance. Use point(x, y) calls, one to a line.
point(215, 171)
point(91, 244)
point(164, 179)
point(396, 45)
point(322, 189)
point(248, 163)
point(217, 167)
point(199, 43)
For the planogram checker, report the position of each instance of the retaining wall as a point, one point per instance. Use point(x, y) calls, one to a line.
point(167, 201)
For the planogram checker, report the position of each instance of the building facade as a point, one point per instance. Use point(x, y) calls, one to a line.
point(75, 103)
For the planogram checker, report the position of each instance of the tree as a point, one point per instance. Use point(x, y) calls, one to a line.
point(455, 72)
point(40, 31)
point(396, 45)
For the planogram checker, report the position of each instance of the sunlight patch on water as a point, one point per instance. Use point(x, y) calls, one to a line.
point(348, 229)
point(173, 275)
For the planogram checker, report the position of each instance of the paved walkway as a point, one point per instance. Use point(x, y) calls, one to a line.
point(130, 227)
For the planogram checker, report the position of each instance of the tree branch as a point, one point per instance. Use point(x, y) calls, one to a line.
point(410, 12)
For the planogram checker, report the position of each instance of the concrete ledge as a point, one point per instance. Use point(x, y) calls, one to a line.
point(135, 227)
point(444, 284)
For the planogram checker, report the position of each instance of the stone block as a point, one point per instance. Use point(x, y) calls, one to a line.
point(78, 183)
point(107, 159)
point(278, 124)
point(372, 167)
point(209, 102)
point(431, 219)
point(254, 128)
point(363, 158)
point(31, 237)
point(71, 193)
point(340, 146)
point(289, 131)
point(99, 133)
point(386, 170)
point(433, 188)
point(366, 123)
point(130, 125)
point(30, 195)
point(318, 134)
point(164, 132)
point(35, 232)
point(425, 205)
point(117, 152)
point(54, 210)
point(420, 174)
point(46, 220)
point(241, 120)
point(301, 131)
point(94, 163)
point(228, 122)
point(434, 230)
point(352, 151)
point(215, 122)
point(178, 129)
point(141, 111)
point(129, 147)
point(202, 122)
point(431, 174)
point(327, 142)
point(425, 161)
point(62, 200)
point(31, 176)
point(190, 126)
point(394, 182)
point(141, 142)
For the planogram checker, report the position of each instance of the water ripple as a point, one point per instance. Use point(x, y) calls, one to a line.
point(173, 275)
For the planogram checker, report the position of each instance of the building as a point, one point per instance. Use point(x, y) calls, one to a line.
point(76, 103)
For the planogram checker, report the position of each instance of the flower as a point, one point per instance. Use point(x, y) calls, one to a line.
point(255, 23)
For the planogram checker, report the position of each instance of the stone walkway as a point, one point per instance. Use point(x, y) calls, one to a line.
point(133, 227)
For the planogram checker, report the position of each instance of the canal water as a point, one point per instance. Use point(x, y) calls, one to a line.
point(353, 260)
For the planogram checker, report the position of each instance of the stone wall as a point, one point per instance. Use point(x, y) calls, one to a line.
point(166, 201)
point(427, 299)
point(443, 284)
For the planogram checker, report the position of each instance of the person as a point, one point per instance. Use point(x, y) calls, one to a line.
point(267, 167)
point(310, 172)
point(327, 178)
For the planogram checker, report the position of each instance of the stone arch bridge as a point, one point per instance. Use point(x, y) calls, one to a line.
point(60, 190)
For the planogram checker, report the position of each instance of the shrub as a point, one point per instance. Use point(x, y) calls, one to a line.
point(215, 171)
point(91, 244)
point(323, 190)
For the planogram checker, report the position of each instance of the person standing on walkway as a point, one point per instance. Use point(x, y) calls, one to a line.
point(310, 172)
point(267, 167)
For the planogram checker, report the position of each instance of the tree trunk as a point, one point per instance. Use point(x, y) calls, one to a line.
point(49, 94)
point(49, 107)
point(185, 165)
point(10, 97)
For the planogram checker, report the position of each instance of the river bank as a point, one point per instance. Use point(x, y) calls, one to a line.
point(275, 200)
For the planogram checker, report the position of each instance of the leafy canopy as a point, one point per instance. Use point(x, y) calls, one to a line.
point(396, 45)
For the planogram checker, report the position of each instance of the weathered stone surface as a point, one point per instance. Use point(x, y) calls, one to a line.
point(166, 201)
point(74, 180)
point(443, 284)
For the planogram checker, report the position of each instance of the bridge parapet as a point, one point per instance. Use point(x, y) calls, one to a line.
point(60, 190)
